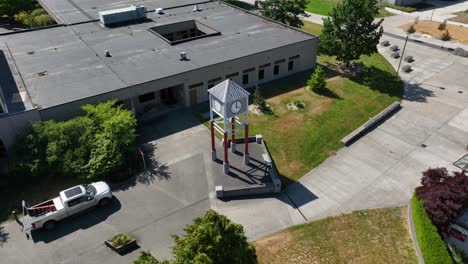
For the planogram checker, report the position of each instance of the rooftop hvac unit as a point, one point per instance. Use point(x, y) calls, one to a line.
point(121, 15)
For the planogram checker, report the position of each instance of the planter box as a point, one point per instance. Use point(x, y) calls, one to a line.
point(123, 248)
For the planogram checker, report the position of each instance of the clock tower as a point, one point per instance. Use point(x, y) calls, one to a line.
point(230, 103)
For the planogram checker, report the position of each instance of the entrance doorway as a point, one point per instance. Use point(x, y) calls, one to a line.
point(2, 149)
point(169, 95)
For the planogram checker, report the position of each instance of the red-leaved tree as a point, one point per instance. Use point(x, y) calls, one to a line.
point(443, 195)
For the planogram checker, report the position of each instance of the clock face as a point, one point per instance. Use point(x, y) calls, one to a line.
point(236, 107)
point(217, 105)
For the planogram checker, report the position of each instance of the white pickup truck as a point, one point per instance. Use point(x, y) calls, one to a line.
point(69, 202)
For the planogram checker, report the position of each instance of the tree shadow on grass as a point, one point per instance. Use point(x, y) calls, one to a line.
point(4, 236)
point(328, 93)
point(379, 80)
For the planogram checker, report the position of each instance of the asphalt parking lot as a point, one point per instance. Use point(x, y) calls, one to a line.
point(151, 208)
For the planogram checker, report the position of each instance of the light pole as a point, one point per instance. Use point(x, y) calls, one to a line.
point(402, 54)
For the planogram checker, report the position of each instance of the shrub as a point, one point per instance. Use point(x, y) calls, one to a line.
point(407, 9)
point(411, 29)
point(146, 258)
point(93, 146)
point(432, 246)
point(442, 26)
point(443, 194)
point(258, 99)
point(318, 80)
point(298, 103)
point(445, 36)
point(35, 18)
point(120, 239)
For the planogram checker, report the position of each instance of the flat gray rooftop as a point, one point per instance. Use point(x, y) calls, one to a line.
point(65, 64)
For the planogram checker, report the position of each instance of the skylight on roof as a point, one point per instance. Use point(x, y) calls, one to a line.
point(184, 31)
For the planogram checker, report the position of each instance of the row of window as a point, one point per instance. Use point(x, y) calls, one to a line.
point(245, 77)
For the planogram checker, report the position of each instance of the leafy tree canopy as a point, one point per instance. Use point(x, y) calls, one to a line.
point(211, 239)
point(285, 11)
point(89, 146)
point(443, 195)
point(12, 7)
point(350, 30)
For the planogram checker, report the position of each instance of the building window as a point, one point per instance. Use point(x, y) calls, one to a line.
point(290, 65)
point(2, 149)
point(264, 66)
point(232, 75)
point(261, 74)
point(245, 79)
point(193, 86)
point(294, 57)
point(249, 70)
point(276, 70)
point(280, 61)
point(146, 97)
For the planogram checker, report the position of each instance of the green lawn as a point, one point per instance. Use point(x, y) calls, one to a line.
point(313, 28)
point(364, 237)
point(300, 140)
point(324, 7)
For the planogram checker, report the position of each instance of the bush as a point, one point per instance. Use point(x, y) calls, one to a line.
point(120, 239)
point(411, 29)
point(89, 147)
point(298, 103)
point(432, 245)
point(407, 9)
point(36, 18)
point(146, 258)
point(442, 26)
point(318, 80)
point(445, 36)
point(258, 99)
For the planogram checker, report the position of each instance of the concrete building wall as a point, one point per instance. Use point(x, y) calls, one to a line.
point(12, 125)
point(303, 54)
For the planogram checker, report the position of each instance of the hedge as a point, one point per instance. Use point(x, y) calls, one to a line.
point(432, 246)
point(407, 9)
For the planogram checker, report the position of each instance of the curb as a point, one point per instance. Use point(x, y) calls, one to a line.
point(413, 233)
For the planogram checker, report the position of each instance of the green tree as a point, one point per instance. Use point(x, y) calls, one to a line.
point(12, 7)
point(411, 30)
point(285, 11)
point(90, 146)
point(146, 258)
point(35, 18)
point(318, 80)
point(350, 30)
point(213, 239)
point(258, 99)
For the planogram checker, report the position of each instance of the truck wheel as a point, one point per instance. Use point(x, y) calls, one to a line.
point(50, 225)
point(104, 202)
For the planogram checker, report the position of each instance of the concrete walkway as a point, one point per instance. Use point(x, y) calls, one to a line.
point(382, 168)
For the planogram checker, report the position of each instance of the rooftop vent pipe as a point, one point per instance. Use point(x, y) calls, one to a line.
point(183, 56)
point(160, 11)
point(107, 53)
point(197, 8)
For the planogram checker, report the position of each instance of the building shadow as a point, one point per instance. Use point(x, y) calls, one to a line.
point(415, 93)
point(81, 221)
point(4, 236)
point(165, 125)
point(10, 90)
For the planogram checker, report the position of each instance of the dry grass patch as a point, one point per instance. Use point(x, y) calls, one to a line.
point(458, 33)
point(369, 236)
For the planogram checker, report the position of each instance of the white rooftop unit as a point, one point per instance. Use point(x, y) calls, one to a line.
point(121, 15)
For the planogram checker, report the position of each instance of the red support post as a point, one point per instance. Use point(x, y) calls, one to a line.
point(226, 148)
point(212, 136)
point(246, 148)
